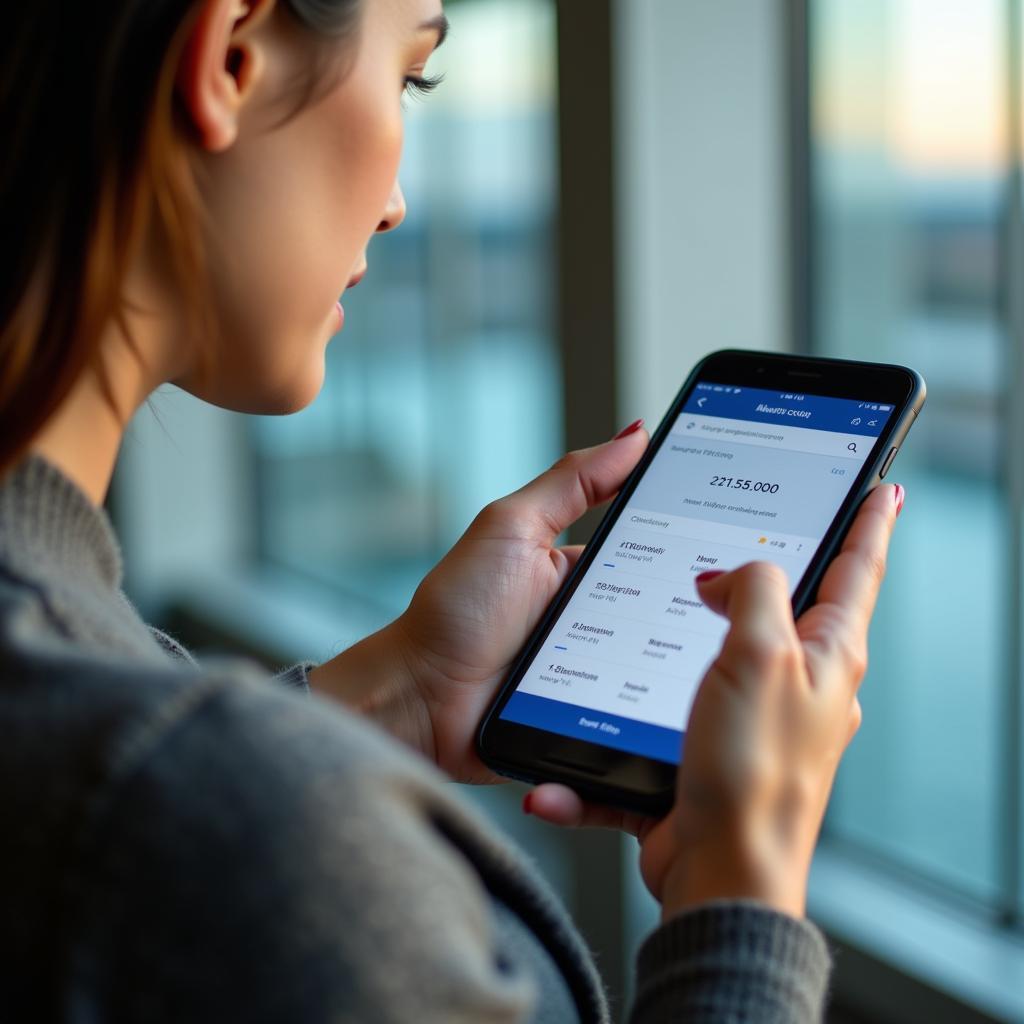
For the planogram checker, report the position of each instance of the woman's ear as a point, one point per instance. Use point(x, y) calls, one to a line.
point(221, 62)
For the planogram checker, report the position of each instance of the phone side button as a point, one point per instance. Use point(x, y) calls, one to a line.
point(888, 462)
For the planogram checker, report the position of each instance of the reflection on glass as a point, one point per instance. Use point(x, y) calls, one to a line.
point(908, 174)
point(443, 390)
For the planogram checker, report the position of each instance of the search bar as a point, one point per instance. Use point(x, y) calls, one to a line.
point(770, 435)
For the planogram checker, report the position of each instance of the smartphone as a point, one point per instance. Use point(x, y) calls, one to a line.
point(760, 457)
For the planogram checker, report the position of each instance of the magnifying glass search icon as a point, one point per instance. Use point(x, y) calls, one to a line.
point(852, 446)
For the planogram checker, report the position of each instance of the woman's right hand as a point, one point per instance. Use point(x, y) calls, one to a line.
point(768, 726)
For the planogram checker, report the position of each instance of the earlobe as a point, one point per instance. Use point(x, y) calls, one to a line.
point(220, 63)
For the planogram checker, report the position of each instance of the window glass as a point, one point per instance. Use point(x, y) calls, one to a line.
point(908, 165)
point(443, 391)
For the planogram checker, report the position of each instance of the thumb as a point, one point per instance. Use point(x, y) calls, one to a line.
point(580, 480)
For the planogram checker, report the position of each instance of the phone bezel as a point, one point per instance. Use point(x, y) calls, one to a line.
point(629, 780)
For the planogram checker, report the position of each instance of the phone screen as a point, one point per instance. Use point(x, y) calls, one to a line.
point(744, 473)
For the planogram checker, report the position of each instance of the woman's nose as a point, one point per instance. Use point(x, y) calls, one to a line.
point(394, 212)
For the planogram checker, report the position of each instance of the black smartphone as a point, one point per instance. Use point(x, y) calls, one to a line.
point(761, 456)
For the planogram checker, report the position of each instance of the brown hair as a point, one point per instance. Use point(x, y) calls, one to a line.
point(93, 136)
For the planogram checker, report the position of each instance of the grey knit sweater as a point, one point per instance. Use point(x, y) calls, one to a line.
point(185, 842)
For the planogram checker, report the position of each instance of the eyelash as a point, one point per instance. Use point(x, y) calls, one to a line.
point(422, 86)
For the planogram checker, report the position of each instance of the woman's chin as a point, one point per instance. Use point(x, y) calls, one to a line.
point(302, 389)
point(297, 396)
point(266, 398)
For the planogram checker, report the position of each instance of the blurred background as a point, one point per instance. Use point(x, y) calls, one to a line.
point(601, 192)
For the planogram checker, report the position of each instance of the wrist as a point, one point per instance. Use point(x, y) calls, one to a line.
point(375, 678)
point(756, 871)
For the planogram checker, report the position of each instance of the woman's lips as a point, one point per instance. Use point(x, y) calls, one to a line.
point(339, 309)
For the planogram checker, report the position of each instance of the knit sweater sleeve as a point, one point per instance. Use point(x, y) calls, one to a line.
point(296, 677)
point(259, 861)
point(732, 962)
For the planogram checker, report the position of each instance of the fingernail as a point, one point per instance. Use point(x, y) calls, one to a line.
point(527, 800)
point(710, 575)
point(901, 495)
point(631, 429)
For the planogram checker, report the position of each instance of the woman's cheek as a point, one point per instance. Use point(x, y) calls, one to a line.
point(381, 154)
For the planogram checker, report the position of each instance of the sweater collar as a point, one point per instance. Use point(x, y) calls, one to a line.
point(49, 526)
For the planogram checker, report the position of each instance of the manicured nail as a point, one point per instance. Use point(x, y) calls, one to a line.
point(710, 575)
point(631, 429)
point(901, 496)
point(527, 800)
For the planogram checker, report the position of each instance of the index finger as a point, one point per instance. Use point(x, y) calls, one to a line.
point(855, 576)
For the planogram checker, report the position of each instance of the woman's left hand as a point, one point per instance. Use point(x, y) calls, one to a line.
point(430, 675)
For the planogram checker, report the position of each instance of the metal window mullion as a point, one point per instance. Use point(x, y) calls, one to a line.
point(587, 325)
point(1010, 767)
point(797, 47)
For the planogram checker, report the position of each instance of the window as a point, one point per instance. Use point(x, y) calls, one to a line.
point(909, 177)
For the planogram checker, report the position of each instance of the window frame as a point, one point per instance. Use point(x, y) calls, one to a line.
point(970, 966)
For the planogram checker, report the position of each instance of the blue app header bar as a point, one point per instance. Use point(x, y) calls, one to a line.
point(789, 408)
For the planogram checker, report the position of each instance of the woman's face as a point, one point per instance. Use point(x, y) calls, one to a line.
point(292, 206)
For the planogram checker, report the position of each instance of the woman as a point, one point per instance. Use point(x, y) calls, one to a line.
point(188, 186)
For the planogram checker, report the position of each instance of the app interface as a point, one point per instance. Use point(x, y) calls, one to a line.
point(744, 474)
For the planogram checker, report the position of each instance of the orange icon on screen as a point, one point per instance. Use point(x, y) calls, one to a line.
point(763, 540)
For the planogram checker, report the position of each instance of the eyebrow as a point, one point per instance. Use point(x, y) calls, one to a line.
point(439, 25)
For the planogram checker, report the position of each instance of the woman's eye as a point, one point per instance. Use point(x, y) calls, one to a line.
point(421, 85)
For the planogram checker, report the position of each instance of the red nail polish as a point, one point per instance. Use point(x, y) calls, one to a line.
point(527, 800)
point(901, 496)
point(710, 574)
point(631, 429)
